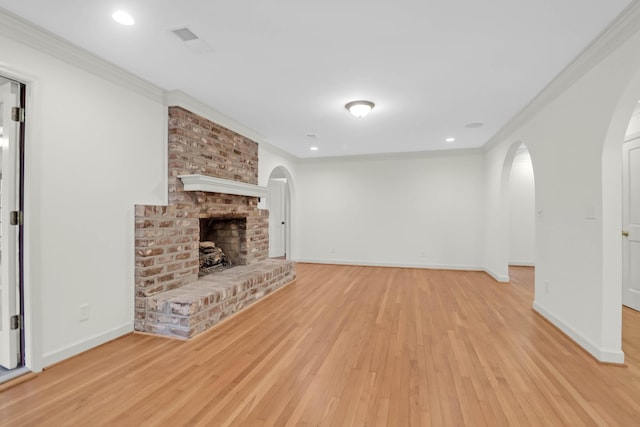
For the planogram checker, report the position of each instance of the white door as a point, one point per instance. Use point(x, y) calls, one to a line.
point(9, 201)
point(631, 225)
point(277, 220)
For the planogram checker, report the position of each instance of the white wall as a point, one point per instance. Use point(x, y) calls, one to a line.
point(94, 149)
point(423, 210)
point(577, 280)
point(521, 210)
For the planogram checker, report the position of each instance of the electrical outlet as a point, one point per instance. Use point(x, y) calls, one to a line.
point(332, 250)
point(546, 286)
point(84, 312)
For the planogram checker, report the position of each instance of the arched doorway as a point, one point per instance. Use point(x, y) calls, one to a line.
point(280, 202)
point(620, 130)
point(521, 196)
point(517, 210)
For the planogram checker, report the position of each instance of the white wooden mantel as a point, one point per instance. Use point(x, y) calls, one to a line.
point(219, 185)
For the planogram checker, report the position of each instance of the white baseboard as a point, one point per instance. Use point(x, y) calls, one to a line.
point(497, 277)
point(600, 354)
point(56, 356)
point(522, 263)
point(391, 264)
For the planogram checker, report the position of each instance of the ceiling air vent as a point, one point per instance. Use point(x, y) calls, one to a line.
point(184, 34)
point(194, 43)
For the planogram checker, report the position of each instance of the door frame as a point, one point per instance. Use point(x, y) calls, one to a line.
point(290, 243)
point(13, 337)
point(625, 216)
point(30, 298)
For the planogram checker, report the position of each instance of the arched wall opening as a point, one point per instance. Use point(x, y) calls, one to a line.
point(280, 203)
point(521, 219)
point(517, 209)
point(612, 213)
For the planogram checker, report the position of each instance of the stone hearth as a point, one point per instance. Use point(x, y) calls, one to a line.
point(167, 237)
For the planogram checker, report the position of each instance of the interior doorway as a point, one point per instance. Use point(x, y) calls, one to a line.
point(631, 214)
point(12, 117)
point(277, 217)
point(521, 193)
point(279, 203)
point(516, 235)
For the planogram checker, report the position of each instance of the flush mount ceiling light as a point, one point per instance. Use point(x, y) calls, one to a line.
point(314, 148)
point(450, 140)
point(122, 17)
point(360, 108)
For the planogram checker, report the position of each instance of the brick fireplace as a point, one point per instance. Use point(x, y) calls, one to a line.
point(167, 237)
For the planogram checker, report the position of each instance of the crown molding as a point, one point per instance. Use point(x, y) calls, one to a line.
point(397, 156)
point(625, 25)
point(15, 28)
point(178, 98)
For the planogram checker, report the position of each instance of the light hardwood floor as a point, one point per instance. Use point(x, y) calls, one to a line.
point(349, 346)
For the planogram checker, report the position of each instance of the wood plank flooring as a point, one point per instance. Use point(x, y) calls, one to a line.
point(349, 346)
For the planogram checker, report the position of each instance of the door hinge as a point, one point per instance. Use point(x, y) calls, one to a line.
point(17, 114)
point(16, 322)
point(16, 217)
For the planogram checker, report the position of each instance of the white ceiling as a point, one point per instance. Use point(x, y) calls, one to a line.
point(285, 68)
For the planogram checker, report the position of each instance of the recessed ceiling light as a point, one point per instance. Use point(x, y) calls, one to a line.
point(450, 139)
point(360, 108)
point(122, 17)
point(474, 125)
point(314, 148)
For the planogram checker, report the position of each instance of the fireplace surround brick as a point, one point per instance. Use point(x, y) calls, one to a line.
point(166, 237)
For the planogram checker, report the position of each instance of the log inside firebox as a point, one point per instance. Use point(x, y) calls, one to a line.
point(212, 258)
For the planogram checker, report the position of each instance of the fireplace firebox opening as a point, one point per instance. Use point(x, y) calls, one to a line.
point(223, 243)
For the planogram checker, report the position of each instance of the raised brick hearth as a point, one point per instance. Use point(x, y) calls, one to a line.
point(191, 309)
point(167, 237)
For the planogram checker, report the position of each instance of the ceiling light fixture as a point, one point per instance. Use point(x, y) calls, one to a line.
point(314, 148)
point(122, 17)
point(450, 139)
point(360, 108)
